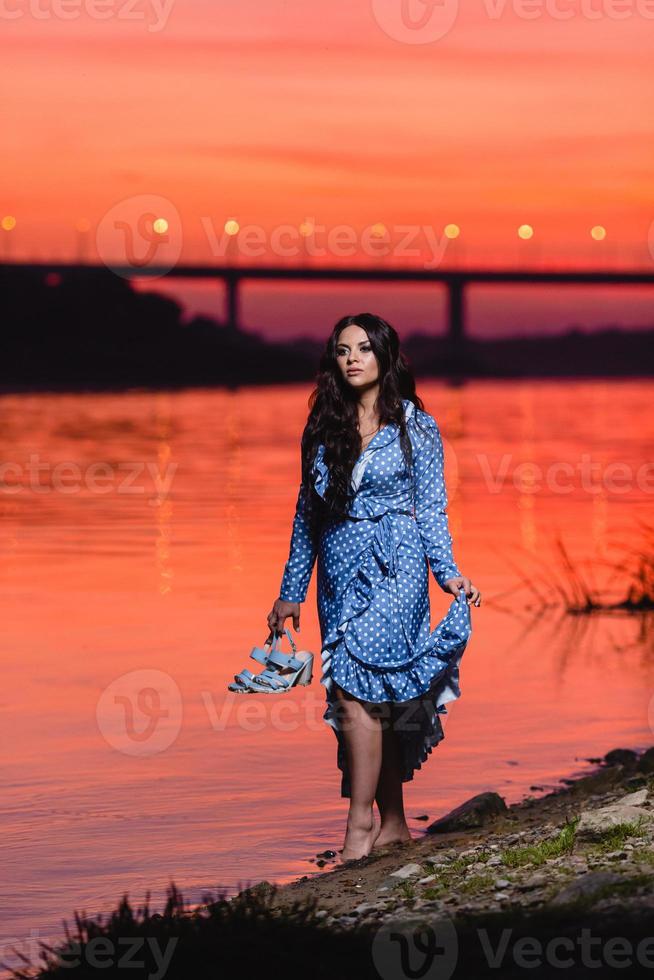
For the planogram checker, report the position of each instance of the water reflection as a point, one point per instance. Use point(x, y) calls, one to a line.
point(154, 540)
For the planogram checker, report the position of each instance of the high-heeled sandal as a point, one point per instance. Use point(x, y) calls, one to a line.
point(282, 671)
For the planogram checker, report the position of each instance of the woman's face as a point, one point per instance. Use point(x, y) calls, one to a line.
point(355, 357)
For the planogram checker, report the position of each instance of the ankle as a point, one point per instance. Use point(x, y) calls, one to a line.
point(393, 821)
point(360, 817)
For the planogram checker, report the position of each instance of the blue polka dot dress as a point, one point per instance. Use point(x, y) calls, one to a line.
point(373, 598)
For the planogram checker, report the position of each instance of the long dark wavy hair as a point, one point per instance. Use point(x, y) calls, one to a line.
point(333, 416)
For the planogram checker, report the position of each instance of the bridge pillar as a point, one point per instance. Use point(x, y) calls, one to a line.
point(457, 357)
point(232, 284)
point(455, 311)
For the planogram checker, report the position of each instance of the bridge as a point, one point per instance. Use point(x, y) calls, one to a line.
point(455, 281)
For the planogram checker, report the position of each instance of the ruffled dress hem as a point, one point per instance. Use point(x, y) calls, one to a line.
point(416, 718)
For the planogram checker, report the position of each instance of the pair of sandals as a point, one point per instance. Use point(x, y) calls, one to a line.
point(281, 671)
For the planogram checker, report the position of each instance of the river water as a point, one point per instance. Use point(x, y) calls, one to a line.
point(143, 540)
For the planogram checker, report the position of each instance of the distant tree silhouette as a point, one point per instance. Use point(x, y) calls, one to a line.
point(90, 329)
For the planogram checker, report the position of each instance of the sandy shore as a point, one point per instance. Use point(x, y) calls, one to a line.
point(590, 844)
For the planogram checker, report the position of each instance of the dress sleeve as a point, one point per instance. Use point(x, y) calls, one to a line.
point(302, 554)
point(430, 504)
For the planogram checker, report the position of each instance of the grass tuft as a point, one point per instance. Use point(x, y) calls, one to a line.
point(538, 854)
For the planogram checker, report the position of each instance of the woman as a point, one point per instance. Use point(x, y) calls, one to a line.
point(371, 508)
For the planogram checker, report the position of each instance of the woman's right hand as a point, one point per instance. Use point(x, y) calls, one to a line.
point(280, 612)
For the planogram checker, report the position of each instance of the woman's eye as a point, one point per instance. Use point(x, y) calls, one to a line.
point(342, 352)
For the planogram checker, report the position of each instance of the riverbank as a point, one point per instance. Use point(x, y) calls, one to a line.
point(563, 881)
point(590, 843)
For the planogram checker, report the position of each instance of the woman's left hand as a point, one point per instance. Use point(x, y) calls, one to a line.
point(454, 584)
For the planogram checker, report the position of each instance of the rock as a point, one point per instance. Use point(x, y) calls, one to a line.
point(621, 757)
point(260, 890)
point(585, 886)
point(322, 913)
point(494, 861)
point(326, 854)
point(408, 871)
point(634, 799)
point(423, 816)
point(533, 881)
point(475, 812)
point(617, 856)
point(604, 780)
point(635, 782)
point(646, 761)
point(502, 883)
point(366, 907)
point(425, 881)
point(437, 861)
point(594, 822)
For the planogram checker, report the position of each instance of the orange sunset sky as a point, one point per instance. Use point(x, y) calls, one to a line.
point(277, 113)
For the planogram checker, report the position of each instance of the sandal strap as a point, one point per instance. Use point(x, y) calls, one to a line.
point(270, 678)
point(244, 677)
point(283, 660)
point(260, 654)
point(290, 639)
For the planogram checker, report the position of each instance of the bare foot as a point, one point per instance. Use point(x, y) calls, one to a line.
point(359, 838)
point(392, 834)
